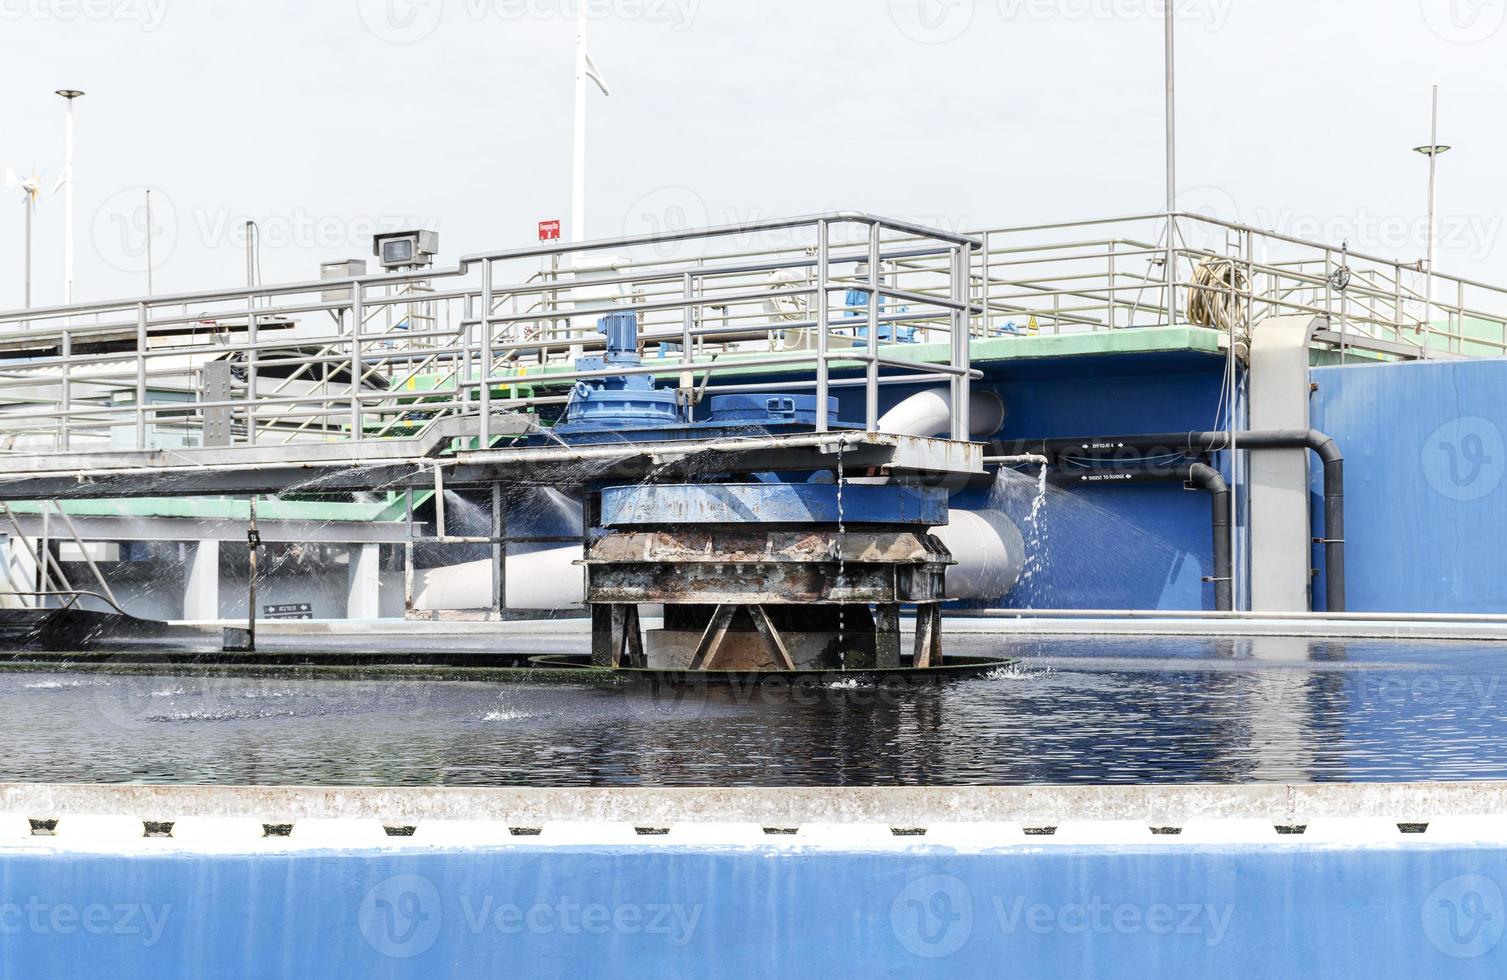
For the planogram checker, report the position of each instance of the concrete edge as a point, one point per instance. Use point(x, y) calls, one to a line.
point(905, 807)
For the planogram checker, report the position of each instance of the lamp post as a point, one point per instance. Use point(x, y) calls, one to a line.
point(148, 197)
point(586, 70)
point(66, 182)
point(1432, 150)
point(1169, 54)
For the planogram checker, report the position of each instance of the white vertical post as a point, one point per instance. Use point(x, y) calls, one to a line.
point(871, 381)
point(69, 95)
point(1170, 56)
point(484, 399)
point(65, 392)
point(1170, 259)
point(819, 298)
point(18, 563)
point(363, 587)
point(358, 313)
point(141, 376)
point(1433, 200)
point(578, 143)
point(68, 206)
point(1432, 151)
point(586, 70)
point(201, 582)
point(962, 385)
point(148, 197)
point(687, 338)
point(30, 206)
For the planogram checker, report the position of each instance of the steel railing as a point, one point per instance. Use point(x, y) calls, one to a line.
point(874, 300)
point(333, 360)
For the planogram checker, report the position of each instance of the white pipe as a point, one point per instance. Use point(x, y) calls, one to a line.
point(989, 550)
point(548, 579)
point(987, 546)
point(929, 413)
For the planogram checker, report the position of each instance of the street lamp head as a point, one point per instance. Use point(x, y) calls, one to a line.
point(69, 93)
point(1432, 151)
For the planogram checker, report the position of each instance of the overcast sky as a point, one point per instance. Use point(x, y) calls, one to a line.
point(322, 121)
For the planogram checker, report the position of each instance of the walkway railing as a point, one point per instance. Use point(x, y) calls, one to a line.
point(323, 360)
point(845, 299)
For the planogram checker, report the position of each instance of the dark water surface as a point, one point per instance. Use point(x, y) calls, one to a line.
point(1074, 709)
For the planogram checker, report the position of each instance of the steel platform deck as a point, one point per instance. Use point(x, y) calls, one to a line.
point(378, 465)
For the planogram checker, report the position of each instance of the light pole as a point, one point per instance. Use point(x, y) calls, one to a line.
point(586, 70)
point(1432, 151)
point(148, 197)
point(66, 182)
point(1169, 260)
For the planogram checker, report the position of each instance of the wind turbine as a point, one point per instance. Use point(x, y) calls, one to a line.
point(586, 69)
point(30, 188)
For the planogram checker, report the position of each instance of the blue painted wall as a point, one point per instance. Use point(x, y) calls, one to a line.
point(1426, 502)
point(1174, 911)
point(1115, 547)
point(1101, 547)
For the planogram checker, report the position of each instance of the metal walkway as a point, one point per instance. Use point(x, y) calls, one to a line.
point(374, 378)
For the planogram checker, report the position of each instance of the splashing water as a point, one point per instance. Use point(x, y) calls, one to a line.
point(1007, 483)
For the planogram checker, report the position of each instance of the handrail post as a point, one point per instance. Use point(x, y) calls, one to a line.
point(820, 298)
point(141, 375)
point(1113, 311)
point(65, 391)
point(358, 311)
point(687, 325)
point(961, 383)
point(871, 382)
point(252, 381)
point(1169, 270)
point(984, 277)
point(484, 430)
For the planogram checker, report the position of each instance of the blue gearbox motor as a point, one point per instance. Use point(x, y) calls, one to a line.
point(624, 401)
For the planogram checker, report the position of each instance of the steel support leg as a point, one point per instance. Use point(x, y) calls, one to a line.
point(601, 635)
point(772, 638)
point(616, 637)
point(711, 639)
point(928, 635)
point(886, 636)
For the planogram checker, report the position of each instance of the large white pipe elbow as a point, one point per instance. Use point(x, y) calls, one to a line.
point(929, 413)
point(548, 579)
point(989, 550)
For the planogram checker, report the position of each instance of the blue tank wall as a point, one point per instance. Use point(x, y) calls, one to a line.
point(1425, 501)
point(1116, 547)
point(1106, 547)
point(1166, 911)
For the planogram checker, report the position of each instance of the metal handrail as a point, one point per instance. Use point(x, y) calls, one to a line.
point(485, 328)
point(74, 596)
point(294, 382)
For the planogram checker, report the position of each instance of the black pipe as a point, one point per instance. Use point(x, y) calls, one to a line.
point(1096, 447)
point(1202, 475)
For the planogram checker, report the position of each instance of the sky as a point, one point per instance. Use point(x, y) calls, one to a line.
point(326, 121)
